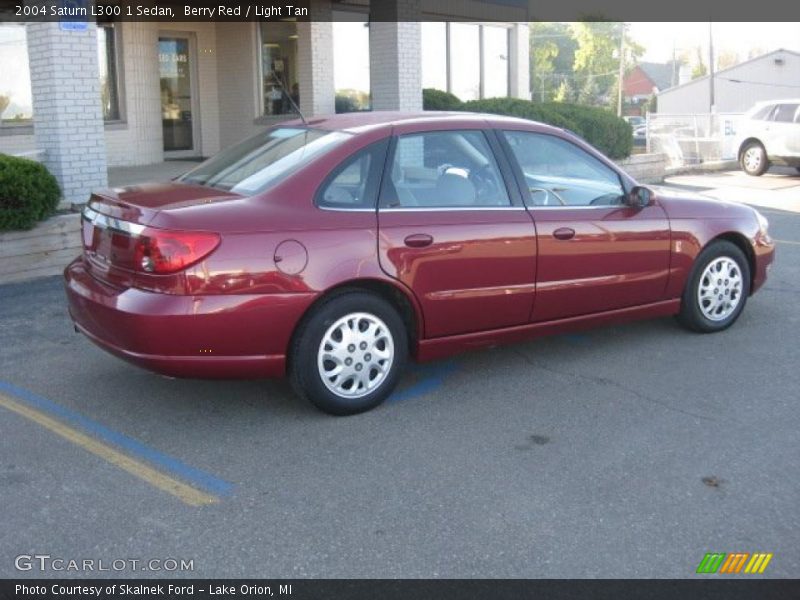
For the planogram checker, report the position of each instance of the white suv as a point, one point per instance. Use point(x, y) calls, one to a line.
point(769, 133)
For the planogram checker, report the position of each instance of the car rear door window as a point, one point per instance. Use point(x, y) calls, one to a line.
point(784, 113)
point(444, 169)
point(560, 174)
point(354, 183)
point(763, 113)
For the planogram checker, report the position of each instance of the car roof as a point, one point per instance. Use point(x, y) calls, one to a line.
point(360, 122)
point(778, 101)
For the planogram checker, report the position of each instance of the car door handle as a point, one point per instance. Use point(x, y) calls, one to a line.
point(564, 233)
point(418, 240)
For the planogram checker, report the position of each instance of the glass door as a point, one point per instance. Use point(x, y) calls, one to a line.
point(175, 70)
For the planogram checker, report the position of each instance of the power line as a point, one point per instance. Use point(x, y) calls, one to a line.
point(767, 83)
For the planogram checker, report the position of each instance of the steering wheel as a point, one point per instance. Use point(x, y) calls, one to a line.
point(486, 186)
point(548, 194)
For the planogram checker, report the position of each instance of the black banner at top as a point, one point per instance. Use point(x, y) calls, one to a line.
point(393, 589)
point(396, 10)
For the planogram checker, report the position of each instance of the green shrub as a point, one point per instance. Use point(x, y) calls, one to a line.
point(28, 193)
point(525, 109)
point(610, 134)
point(433, 99)
point(345, 104)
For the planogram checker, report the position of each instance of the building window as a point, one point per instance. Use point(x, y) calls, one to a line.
point(16, 100)
point(466, 59)
point(279, 82)
point(434, 51)
point(495, 61)
point(107, 66)
point(351, 62)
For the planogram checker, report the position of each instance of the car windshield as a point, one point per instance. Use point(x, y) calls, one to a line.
point(258, 162)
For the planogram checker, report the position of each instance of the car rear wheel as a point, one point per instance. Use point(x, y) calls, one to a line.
point(717, 289)
point(754, 159)
point(348, 354)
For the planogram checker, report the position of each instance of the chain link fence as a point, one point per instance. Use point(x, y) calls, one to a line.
point(692, 139)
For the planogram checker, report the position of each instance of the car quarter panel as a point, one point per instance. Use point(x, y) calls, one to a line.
point(696, 221)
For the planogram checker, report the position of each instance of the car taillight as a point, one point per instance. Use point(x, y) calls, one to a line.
point(161, 251)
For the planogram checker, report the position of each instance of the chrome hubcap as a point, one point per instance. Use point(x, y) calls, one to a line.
point(355, 355)
point(752, 158)
point(720, 289)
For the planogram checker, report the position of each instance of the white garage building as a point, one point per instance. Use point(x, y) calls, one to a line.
point(771, 76)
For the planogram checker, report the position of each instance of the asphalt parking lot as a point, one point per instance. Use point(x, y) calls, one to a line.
point(628, 451)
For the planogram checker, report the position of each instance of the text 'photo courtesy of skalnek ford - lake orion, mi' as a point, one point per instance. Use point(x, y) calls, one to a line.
point(421, 299)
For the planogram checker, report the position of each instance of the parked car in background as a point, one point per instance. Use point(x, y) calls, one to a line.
point(635, 121)
point(332, 251)
point(640, 135)
point(769, 133)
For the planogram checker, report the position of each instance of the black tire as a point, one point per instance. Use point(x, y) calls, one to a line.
point(691, 314)
point(754, 168)
point(306, 376)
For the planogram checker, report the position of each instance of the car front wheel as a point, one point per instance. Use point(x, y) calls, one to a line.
point(717, 289)
point(348, 354)
point(754, 159)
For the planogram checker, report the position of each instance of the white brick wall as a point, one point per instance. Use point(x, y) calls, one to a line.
point(237, 75)
point(139, 140)
point(519, 49)
point(395, 55)
point(68, 121)
point(395, 65)
point(315, 67)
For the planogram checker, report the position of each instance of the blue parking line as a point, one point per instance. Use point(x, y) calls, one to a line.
point(432, 376)
point(196, 477)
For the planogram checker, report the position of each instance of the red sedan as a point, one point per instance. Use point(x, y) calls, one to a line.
point(333, 250)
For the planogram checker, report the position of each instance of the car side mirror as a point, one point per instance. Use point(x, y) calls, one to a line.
point(640, 196)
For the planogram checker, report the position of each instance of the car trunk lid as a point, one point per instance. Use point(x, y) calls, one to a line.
point(115, 220)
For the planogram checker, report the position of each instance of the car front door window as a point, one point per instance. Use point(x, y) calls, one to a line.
point(558, 173)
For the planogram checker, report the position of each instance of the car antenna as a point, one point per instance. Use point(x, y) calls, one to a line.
point(289, 97)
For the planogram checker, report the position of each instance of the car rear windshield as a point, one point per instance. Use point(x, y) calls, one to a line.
point(263, 160)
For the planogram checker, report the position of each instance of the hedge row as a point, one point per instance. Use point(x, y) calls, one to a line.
point(28, 193)
point(610, 134)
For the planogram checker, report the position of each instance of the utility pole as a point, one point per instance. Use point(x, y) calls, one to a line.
point(711, 68)
point(621, 75)
point(673, 82)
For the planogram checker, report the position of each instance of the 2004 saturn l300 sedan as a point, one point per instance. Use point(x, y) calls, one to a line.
point(332, 250)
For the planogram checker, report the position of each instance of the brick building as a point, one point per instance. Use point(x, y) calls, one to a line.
point(134, 93)
point(647, 79)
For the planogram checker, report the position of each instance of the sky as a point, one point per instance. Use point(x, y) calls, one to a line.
point(658, 38)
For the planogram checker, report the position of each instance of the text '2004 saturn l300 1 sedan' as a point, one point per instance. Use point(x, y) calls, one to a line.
point(333, 250)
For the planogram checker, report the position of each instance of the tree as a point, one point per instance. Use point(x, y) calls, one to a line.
point(589, 92)
point(597, 54)
point(4, 102)
point(552, 50)
point(564, 93)
point(726, 59)
point(699, 69)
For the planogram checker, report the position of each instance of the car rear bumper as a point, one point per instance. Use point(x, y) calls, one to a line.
point(220, 336)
